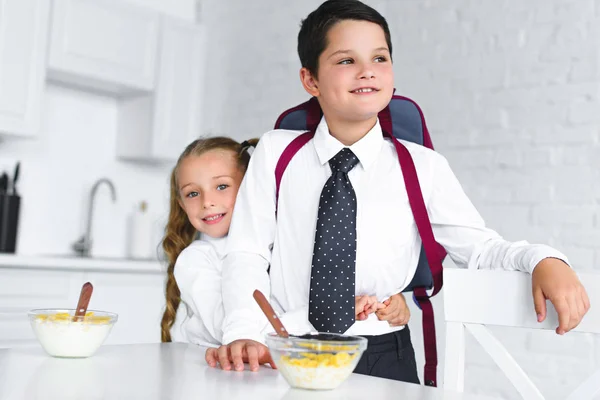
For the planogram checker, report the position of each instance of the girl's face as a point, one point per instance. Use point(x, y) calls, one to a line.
point(208, 185)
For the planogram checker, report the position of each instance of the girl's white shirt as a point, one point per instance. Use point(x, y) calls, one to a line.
point(200, 315)
point(198, 275)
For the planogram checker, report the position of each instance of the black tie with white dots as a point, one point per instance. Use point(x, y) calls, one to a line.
point(332, 280)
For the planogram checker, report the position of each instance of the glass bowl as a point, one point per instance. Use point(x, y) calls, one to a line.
point(60, 336)
point(316, 360)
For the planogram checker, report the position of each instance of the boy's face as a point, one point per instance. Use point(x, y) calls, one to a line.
point(208, 185)
point(355, 79)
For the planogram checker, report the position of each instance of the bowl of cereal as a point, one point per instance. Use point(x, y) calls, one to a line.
point(62, 334)
point(316, 361)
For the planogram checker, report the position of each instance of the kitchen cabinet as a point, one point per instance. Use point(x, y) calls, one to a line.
point(23, 44)
point(136, 294)
point(105, 45)
point(157, 127)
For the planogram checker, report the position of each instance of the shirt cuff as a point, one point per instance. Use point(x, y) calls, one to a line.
point(243, 334)
point(240, 325)
point(541, 252)
point(295, 322)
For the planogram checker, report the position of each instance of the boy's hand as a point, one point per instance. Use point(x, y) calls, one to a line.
point(554, 280)
point(238, 352)
point(365, 305)
point(396, 311)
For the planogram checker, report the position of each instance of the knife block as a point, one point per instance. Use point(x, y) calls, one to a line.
point(9, 222)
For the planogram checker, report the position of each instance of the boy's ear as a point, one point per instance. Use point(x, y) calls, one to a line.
point(309, 82)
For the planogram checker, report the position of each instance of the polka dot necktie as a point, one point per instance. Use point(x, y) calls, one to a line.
point(331, 299)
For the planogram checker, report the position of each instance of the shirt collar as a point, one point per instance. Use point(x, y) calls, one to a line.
point(366, 149)
point(217, 243)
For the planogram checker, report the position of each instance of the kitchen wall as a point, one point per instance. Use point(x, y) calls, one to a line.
point(510, 90)
point(76, 147)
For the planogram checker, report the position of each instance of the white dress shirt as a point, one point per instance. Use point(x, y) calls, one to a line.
point(388, 243)
point(198, 275)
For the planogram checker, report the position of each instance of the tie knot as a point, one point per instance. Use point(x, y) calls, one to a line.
point(343, 161)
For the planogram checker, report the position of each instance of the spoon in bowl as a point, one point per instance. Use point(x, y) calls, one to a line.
point(276, 323)
point(84, 301)
point(266, 308)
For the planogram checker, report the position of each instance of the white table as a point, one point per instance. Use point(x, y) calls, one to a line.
point(172, 371)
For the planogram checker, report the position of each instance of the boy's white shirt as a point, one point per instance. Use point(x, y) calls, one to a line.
point(388, 244)
point(198, 272)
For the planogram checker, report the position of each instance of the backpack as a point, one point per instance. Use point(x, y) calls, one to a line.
point(402, 119)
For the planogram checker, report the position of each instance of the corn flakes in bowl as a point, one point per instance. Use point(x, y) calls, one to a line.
point(316, 360)
point(62, 336)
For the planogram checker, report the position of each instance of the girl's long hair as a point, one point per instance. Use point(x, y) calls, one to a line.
point(179, 232)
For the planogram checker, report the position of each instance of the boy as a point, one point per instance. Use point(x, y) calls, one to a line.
point(349, 175)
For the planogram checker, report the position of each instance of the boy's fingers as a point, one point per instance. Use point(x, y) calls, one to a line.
point(211, 356)
point(398, 321)
point(224, 357)
point(574, 314)
point(585, 298)
point(562, 308)
point(580, 306)
point(386, 314)
point(360, 303)
point(539, 302)
point(391, 309)
point(357, 300)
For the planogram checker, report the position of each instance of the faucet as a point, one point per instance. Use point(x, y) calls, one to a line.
point(83, 246)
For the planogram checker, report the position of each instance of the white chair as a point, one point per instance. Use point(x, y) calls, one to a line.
point(475, 298)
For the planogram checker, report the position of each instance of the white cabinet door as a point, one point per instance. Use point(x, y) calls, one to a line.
point(138, 299)
point(108, 45)
point(158, 127)
point(178, 103)
point(22, 290)
point(23, 33)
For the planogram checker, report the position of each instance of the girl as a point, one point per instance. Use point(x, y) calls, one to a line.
point(204, 185)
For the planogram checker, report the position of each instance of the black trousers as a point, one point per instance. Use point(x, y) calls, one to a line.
point(389, 356)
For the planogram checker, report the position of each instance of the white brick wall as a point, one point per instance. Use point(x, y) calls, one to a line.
point(511, 93)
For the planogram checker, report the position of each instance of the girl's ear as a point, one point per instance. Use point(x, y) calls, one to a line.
point(309, 83)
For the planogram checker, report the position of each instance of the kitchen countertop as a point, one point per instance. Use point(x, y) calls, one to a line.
point(173, 371)
point(80, 263)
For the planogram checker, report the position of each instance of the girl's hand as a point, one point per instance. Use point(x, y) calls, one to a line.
point(240, 352)
point(365, 305)
point(396, 312)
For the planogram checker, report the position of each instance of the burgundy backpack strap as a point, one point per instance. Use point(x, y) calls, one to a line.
point(435, 254)
point(288, 153)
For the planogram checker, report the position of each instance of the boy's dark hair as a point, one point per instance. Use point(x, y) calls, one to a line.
point(312, 38)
